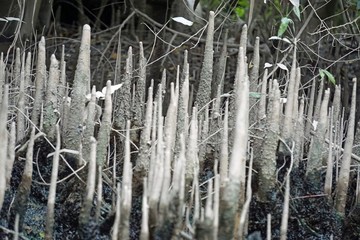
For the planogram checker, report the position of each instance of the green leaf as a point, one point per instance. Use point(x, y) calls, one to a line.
point(326, 73)
point(240, 12)
point(255, 95)
point(297, 12)
point(284, 25)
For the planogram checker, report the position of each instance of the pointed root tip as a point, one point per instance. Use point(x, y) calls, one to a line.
point(42, 41)
point(87, 27)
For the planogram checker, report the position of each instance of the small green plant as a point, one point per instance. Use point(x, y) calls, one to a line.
point(241, 8)
point(328, 74)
